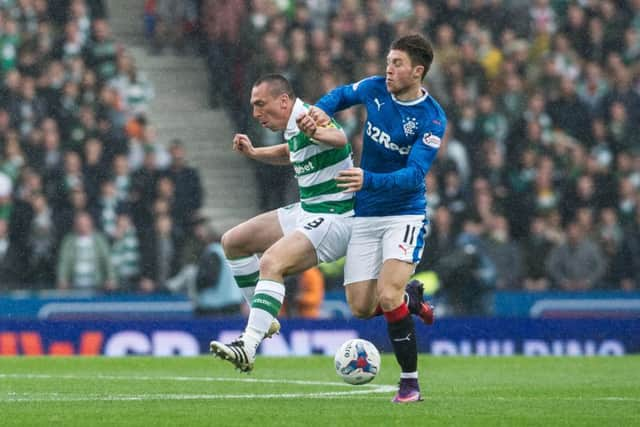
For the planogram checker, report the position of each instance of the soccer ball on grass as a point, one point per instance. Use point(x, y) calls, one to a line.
point(357, 361)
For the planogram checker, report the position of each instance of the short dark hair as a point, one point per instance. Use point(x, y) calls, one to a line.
point(418, 48)
point(279, 84)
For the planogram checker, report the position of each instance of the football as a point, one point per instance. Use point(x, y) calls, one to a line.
point(357, 361)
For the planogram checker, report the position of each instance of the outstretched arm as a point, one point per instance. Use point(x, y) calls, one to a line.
point(274, 155)
point(407, 178)
point(341, 98)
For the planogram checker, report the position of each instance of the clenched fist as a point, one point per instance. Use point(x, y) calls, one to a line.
point(243, 144)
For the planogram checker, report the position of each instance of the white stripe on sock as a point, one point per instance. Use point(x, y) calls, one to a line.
point(271, 288)
point(409, 375)
point(260, 320)
point(244, 267)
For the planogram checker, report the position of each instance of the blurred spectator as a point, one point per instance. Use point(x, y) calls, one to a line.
point(27, 109)
point(6, 202)
point(125, 253)
point(196, 241)
point(107, 208)
point(440, 240)
point(66, 209)
point(71, 178)
point(159, 252)
point(453, 196)
point(222, 21)
point(578, 264)
point(505, 255)
point(188, 189)
point(95, 168)
point(627, 261)
point(467, 274)
point(142, 193)
point(121, 177)
point(41, 244)
point(569, 112)
point(100, 53)
point(543, 17)
point(133, 88)
point(166, 192)
point(10, 261)
point(144, 142)
point(85, 261)
point(582, 196)
point(194, 246)
point(535, 250)
point(609, 235)
point(169, 22)
point(628, 201)
point(207, 278)
point(13, 158)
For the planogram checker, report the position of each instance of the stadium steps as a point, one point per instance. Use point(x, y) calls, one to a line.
point(180, 110)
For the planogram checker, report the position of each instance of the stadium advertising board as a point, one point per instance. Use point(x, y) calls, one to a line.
point(465, 337)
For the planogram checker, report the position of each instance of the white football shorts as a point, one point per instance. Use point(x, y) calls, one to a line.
point(377, 239)
point(328, 233)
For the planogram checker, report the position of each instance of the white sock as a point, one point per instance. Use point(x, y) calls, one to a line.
point(265, 307)
point(409, 375)
point(246, 271)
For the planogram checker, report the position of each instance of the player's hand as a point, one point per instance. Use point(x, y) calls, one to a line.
point(321, 118)
point(306, 124)
point(350, 180)
point(242, 143)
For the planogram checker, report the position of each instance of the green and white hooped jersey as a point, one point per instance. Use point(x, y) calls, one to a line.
point(316, 166)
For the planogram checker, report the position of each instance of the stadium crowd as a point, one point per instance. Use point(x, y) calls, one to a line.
point(538, 187)
point(88, 198)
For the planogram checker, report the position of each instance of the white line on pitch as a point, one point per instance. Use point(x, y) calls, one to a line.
point(60, 397)
point(177, 378)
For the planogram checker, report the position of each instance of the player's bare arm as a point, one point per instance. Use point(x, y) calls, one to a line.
point(325, 134)
point(274, 155)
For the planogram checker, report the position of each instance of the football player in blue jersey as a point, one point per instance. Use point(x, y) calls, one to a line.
point(402, 134)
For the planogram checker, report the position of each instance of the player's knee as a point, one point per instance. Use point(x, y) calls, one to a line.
point(272, 265)
point(361, 310)
point(227, 243)
point(389, 299)
point(233, 244)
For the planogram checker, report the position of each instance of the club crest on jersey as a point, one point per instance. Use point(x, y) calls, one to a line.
point(431, 140)
point(410, 125)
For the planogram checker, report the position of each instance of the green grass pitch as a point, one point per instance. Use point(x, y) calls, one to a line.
point(204, 391)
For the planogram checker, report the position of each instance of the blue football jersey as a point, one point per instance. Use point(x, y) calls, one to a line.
point(401, 140)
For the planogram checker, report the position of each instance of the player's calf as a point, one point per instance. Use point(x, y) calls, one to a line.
point(414, 294)
point(414, 298)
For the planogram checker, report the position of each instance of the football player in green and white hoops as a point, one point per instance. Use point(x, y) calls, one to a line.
point(294, 238)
